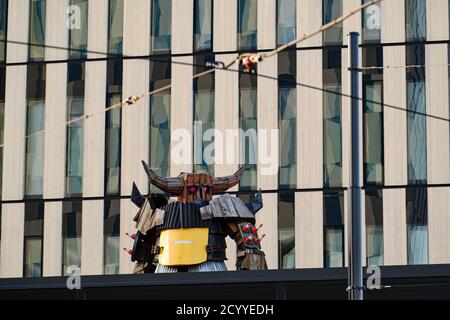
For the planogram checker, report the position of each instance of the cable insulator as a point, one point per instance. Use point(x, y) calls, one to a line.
point(131, 100)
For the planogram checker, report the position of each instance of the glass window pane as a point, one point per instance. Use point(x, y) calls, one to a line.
point(111, 231)
point(286, 230)
point(332, 132)
point(373, 132)
point(203, 25)
point(161, 25)
point(247, 24)
point(417, 244)
point(332, 9)
point(334, 251)
point(372, 23)
point(71, 234)
point(287, 122)
point(37, 29)
point(416, 28)
point(286, 20)
point(417, 148)
point(160, 133)
point(417, 225)
point(203, 121)
point(113, 145)
point(3, 26)
point(112, 244)
point(71, 253)
point(115, 39)
point(33, 257)
point(74, 179)
point(78, 34)
point(248, 137)
point(333, 228)
point(34, 148)
point(374, 227)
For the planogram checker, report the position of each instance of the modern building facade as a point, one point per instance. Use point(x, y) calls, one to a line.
point(66, 183)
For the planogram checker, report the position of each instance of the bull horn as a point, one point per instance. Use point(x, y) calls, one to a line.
point(222, 184)
point(172, 185)
point(136, 197)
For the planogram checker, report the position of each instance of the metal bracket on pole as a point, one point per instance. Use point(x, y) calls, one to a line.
point(355, 270)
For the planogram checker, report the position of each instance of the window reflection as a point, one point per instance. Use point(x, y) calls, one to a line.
point(247, 24)
point(374, 227)
point(75, 129)
point(287, 119)
point(34, 153)
point(203, 12)
point(161, 25)
point(416, 28)
point(203, 117)
point(286, 230)
point(248, 125)
point(3, 26)
point(78, 34)
point(417, 225)
point(71, 235)
point(286, 20)
point(111, 231)
point(37, 29)
point(371, 23)
point(160, 106)
point(332, 9)
point(333, 229)
point(33, 232)
point(115, 37)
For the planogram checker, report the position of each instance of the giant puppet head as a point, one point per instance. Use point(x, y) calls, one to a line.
point(192, 186)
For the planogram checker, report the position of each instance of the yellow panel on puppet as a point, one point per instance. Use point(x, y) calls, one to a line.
point(181, 247)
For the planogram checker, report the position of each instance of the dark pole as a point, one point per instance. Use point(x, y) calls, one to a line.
point(355, 271)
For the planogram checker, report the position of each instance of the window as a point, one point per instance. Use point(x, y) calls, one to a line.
point(203, 117)
point(416, 27)
point(78, 31)
point(373, 117)
point(287, 118)
point(247, 24)
point(2, 119)
point(286, 230)
point(160, 75)
point(332, 9)
point(34, 162)
point(286, 21)
point(115, 33)
point(71, 235)
point(3, 27)
point(74, 144)
point(416, 118)
point(161, 29)
point(111, 230)
point(34, 225)
point(37, 29)
point(332, 122)
point(417, 225)
point(203, 13)
point(333, 229)
point(248, 125)
point(371, 22)
point(113, 128)
point(374, 227)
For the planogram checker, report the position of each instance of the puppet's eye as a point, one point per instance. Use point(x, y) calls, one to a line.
point(192, 189)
